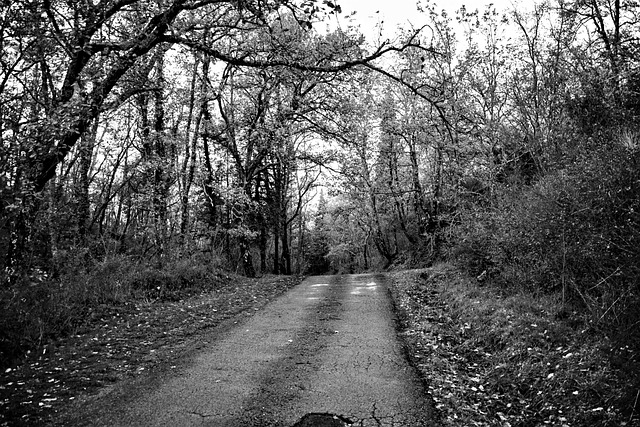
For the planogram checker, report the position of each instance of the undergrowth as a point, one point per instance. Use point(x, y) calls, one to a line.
point(39, 308)
point(574, 232)
point(498, 358)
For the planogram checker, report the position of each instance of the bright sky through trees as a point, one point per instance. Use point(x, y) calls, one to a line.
point(370, 13)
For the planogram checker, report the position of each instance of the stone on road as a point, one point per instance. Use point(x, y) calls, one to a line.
point(327, 346)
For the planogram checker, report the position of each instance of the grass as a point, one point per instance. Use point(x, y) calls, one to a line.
point(119, 341)
point(497, 359)
point(39, 308)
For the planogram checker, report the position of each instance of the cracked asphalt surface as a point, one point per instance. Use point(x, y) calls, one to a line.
point(328, 345)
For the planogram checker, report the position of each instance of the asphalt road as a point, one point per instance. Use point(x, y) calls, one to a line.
point(328, 345)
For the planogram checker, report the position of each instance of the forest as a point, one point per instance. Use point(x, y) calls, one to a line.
point(147, 145)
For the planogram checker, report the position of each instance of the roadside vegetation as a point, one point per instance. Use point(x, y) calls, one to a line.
point(154, 152)
point(151, 321)
point(496, 358)
point(45, 308)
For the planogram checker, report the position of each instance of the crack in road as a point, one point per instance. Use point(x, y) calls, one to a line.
point(373, 414)
point(327, 346)
point(198, 414)
point(304, 356)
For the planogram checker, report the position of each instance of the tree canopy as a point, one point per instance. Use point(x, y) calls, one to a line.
point(161, 130)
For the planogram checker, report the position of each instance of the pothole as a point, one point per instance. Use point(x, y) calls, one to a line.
point(323, 420)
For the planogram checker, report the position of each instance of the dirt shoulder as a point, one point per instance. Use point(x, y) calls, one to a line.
point(120, 343)
point(491, 359)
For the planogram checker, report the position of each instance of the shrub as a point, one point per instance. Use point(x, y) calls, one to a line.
point(576, 231)
point(38, 308)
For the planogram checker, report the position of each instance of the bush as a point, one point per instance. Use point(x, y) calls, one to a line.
point(576, 231)
point(32, 312)
point(39, 308)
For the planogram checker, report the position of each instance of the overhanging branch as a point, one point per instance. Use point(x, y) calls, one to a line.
point(337, 66)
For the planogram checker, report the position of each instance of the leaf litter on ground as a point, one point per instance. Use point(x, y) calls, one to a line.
point(492, 359)
point(123, 341)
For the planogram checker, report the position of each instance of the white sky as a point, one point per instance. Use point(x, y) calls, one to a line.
point(394, 12)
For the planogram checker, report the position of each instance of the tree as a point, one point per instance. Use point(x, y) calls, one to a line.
point(68, 64)
point(609, 30)
point(318, 243)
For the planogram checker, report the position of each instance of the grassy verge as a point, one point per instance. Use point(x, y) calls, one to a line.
point(39, 308)
point(492, 359)
point(114, 323)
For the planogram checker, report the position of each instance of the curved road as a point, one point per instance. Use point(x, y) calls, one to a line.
point(328, 345)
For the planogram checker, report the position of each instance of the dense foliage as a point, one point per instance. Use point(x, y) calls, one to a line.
point(155, 132)
point(521, 163)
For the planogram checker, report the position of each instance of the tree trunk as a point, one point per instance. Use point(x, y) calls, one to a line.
point(83, 213)
point(276, 247)
point(161, 174)
point(299, 253)
point(278, 267)
point(247, 258)
point(365, 252)
point(286, 250)
point(208, 187)
point(418, 208)
point(187, 170)
point(264, 238)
